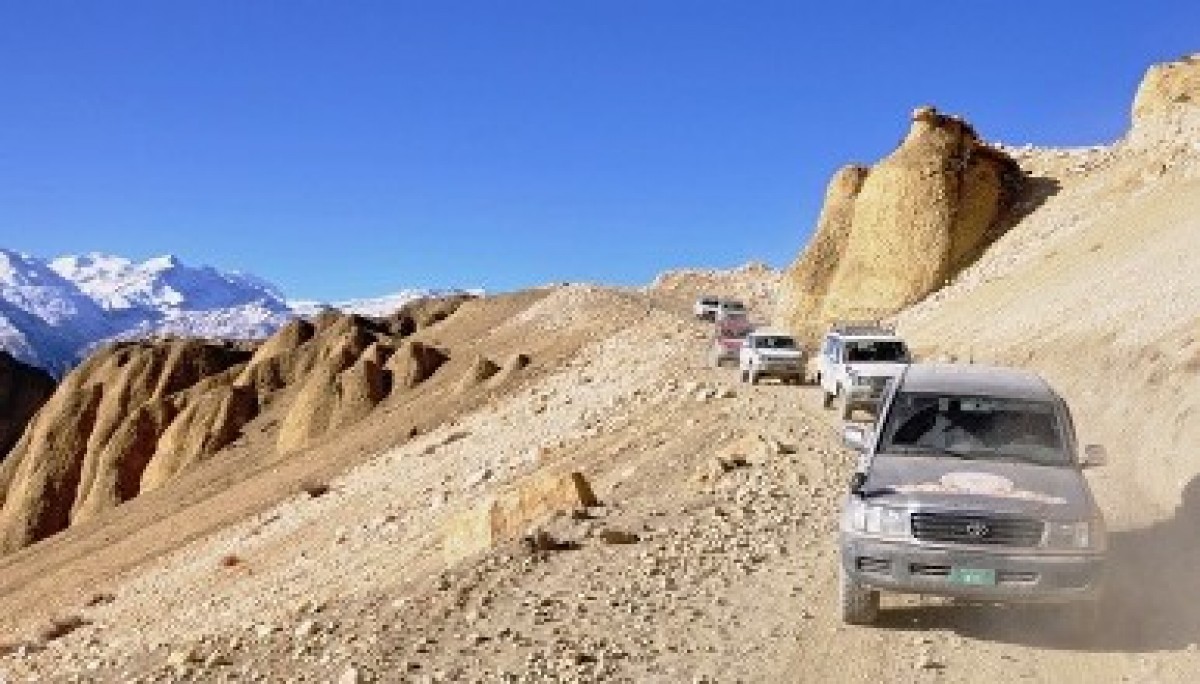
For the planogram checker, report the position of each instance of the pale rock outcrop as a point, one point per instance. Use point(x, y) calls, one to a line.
point(514, 511)
point(1166, 108)
point(893, 234)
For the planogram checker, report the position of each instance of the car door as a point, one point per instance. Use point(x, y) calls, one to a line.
point(827, 364)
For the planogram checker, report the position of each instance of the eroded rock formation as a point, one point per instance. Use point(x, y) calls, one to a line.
point(889, 235)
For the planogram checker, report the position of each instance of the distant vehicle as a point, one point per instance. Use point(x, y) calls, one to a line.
point(705, 308)
point(729, 334)
point(972, 488)
point(857, 361)
point(771, 354)
point(727, 308)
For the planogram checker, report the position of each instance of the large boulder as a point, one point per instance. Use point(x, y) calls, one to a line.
point(23, 390)
point(514, 511)
point(891, 235)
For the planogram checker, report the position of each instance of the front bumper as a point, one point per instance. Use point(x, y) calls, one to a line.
point(779, 368)
point(866, 395)
point(1021, 576)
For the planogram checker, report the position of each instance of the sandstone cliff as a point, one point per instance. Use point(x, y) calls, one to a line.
point(889, 235)
point(135, 415)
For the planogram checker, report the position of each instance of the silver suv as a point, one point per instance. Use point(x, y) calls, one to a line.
point(970, 486)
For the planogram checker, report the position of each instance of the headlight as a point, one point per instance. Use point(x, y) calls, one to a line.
point(878, 520)
point(1075, 535)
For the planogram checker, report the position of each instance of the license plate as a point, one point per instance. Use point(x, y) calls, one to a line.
point(973, 577)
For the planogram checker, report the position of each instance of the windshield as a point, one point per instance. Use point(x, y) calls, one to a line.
point(708, 301)
point(775, 342)
point(733, 306)
point(889, 351)
point(975, 427)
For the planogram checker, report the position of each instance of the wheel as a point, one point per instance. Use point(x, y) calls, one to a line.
point(753, 377)
point(745, 375)
point(826, 398)
point(859, 605)
point(798, 379)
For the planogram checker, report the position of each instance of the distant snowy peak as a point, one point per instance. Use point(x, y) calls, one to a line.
point(376, 306)
point(54, 313)
point(163, 284)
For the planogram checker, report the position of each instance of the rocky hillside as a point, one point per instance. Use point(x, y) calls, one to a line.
point(136, 414)
point(890, 234)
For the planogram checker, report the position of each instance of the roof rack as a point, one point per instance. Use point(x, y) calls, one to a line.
point(862, 327)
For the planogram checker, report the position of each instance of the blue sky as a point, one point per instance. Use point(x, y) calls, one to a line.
point(348, 149)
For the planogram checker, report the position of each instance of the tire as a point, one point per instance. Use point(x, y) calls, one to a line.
point(745, 376)
point(859, 605)
point(826, 399)
point(753, 377)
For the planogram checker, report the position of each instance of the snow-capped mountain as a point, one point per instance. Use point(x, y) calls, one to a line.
point(51, 314)
point(375, 306)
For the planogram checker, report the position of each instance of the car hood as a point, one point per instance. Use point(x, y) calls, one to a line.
point(1046, 492)
point(876, 369)
point(731, 342)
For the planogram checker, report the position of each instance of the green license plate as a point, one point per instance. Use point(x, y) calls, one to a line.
point(976, 578)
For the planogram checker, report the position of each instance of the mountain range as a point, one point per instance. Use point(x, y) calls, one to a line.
point(53, 312)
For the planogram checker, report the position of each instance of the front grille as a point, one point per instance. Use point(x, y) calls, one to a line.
point(967, 528)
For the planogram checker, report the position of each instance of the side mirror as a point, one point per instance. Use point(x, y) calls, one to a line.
point(857, 481)
point(854, 437)
point(1094, 455)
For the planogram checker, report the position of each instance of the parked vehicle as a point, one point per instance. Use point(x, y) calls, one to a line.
point(729, 334)
point(771, 354)
point(705, 308)
point(857, 361)
point(971, 487)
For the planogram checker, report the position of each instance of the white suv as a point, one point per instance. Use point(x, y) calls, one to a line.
point(857, 362)
point(705, 308)
point(766, 353)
